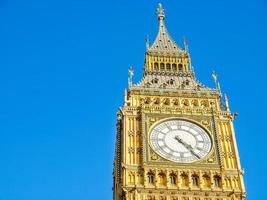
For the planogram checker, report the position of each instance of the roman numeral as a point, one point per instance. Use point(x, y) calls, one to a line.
point(168, 127)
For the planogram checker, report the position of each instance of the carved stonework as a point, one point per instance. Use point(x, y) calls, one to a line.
point(154, 156)
point(169, 92)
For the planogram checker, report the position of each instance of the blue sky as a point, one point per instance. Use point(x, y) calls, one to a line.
point(63, 71)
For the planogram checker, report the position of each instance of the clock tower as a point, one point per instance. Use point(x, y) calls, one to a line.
point(175, 136)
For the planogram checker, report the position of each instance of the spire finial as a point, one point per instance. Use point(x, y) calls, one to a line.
point(185, 44)
point(160, 12)
point(215, 79)
point(147, 42)
point(130, 76)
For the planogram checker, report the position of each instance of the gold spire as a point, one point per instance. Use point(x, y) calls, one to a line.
point(164, 56)
point(163, 42)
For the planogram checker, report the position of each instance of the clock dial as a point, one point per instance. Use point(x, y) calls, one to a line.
point(180, 141)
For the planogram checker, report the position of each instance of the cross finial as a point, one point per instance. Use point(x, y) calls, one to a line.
point(160, 12)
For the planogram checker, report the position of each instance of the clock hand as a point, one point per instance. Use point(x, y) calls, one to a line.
point(188, 146)
point(194, 154)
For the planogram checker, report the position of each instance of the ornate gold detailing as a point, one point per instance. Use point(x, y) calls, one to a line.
point(154, 156)
point(169, 90)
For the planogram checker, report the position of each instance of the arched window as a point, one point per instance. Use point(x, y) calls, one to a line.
point(162, 179)
point(168, 67)
point(195, 180)
point(156, 66)
point(173, 179)
point(180, 67)
point(174, 67)
point(151, 177)
point(131, 178)
point(184, 179)
point(217, 181)
point(206, 180)
point(162, 67)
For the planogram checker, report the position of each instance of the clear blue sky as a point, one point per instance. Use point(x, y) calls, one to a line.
point(63, 71)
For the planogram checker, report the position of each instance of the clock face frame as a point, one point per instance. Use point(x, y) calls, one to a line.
point(180, 140)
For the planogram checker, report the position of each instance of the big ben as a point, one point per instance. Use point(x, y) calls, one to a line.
point(175, 136)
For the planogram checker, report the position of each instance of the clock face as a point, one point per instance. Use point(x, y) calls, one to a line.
point(180, 141)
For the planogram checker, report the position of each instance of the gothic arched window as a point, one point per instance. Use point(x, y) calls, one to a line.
point(206, 180)
point(151, 177)
point(195, 180)
point(174, 67)
point(156, 66)
point(168, 67)
point(162, 66)
point(162, 179)
point(184, 179)
point(173, 179)
point(217, 181)
point(180, 67)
